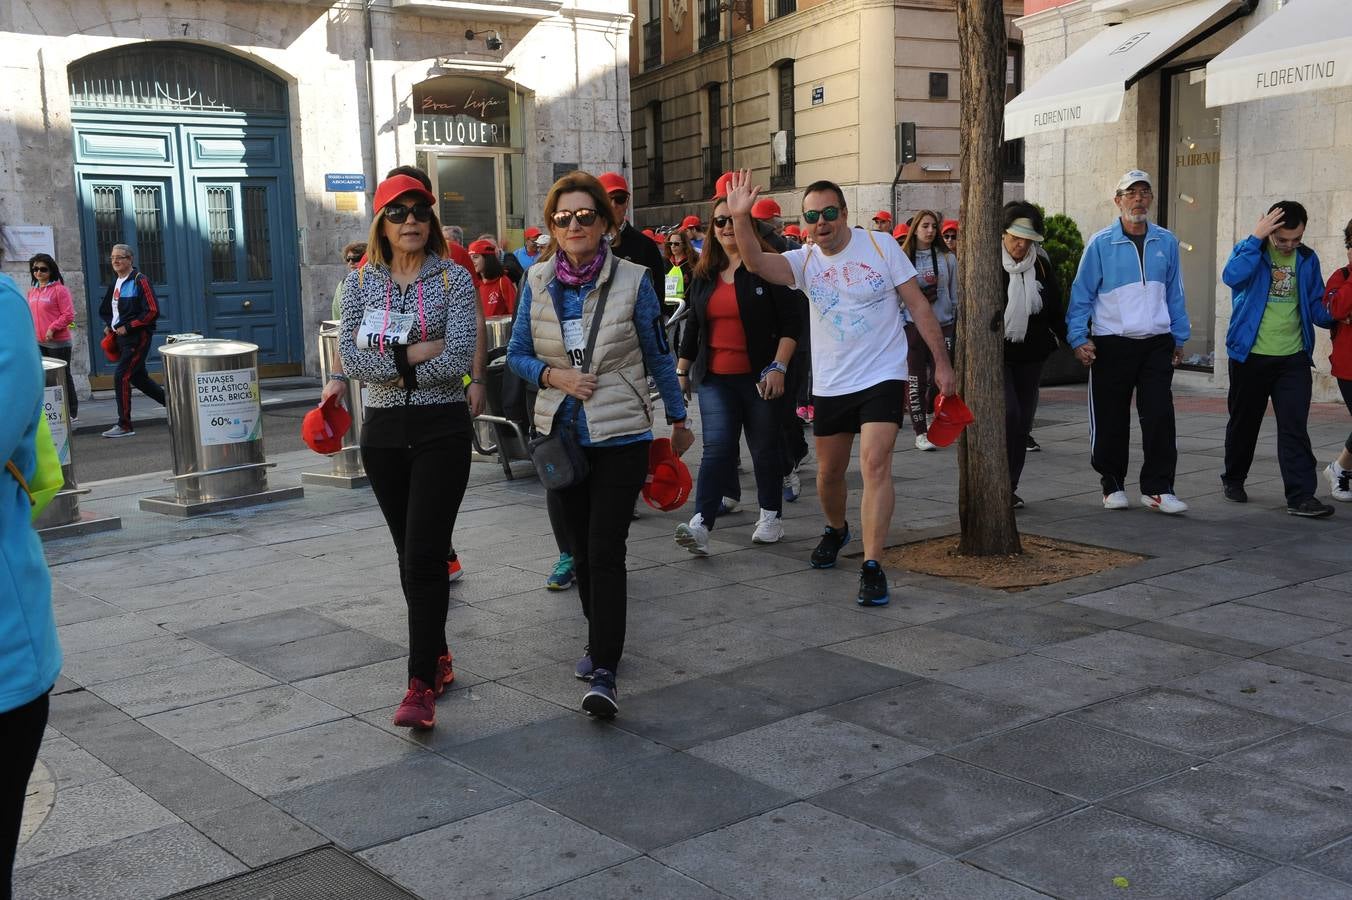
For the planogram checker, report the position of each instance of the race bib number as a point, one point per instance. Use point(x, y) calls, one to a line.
point(573, 341)
point(673, 287)
point(395, 327)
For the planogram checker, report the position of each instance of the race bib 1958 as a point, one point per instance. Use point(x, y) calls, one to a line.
point(573, 341)
point(377, 322)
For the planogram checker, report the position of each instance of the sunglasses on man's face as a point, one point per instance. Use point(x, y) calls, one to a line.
point(830, 214)
point(950, 235)
point(721, 221)
point(398, 213)
point(619, 199)
point(585, 217)
point(37, 269)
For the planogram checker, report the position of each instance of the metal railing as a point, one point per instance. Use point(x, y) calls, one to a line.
point(711, 25)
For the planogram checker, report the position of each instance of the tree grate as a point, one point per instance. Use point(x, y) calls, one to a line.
point(324, 874)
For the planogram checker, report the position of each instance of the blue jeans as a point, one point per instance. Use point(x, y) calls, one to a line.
point(729, 404)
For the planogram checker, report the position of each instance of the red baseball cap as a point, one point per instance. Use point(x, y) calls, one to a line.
point(691, 222)
point(392, 189)
point(721, 188)
point(532, 233)
point(765, 208)
point(324, 426)
point(110, 348)
point(882, 215)
point(613, 181)
point(949, 225)
point(483, 247)
point(792, 231)
point(951, 416)
point(659, 237)
point(668, 484)
point(901, 231)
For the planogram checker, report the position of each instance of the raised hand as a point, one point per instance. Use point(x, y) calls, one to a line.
point(1268, 224)
point(741, 193)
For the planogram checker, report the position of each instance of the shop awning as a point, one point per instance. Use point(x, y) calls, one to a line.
point(1304, 46)
point(1087, 87)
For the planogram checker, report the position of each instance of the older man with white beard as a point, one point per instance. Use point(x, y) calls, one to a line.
point(1127, 323)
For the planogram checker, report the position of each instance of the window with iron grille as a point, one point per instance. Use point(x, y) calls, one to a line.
point(656, 170)
point(174, 76)
point(781, 173)
point(713, 154)
point(782, 8)
point(711, 23)
point(1012, 152)
point(652, 44)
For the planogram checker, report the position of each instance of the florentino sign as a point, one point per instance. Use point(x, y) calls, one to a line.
point(1314, 71)
point(456, 111)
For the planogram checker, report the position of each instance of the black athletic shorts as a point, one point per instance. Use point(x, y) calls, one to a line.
point(883, 402)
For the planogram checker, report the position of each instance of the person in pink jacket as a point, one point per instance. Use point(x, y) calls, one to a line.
point(53, 314)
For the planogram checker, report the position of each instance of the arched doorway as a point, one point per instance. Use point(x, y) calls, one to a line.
point(183, 153)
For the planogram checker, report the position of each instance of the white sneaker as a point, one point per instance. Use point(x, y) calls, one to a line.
point(1116, 500)
point(922, 442)
point(793, 485)
point(1165, 503)
point(117, 431)
point(1339, 481)
point(769, 528)
point(728, 506)
point(694, 537)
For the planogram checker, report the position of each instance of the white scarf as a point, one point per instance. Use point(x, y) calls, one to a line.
point(1025, 294)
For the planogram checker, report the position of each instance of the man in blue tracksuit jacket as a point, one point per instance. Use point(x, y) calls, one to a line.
point(1127, 322)
point(1278, 299)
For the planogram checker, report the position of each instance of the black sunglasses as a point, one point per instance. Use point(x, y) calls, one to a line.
point(352, 259)
point(39, 269)
point(619, 197)
point(721, 221)
point(585, 217)
point(398, 213)
point(830, 214)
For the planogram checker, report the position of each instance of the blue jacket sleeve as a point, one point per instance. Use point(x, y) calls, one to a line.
point(1311, 289)
point(1242, 264)
point(521, 348)
point(656, 352)
point(1082, 293)
point(1179, 324)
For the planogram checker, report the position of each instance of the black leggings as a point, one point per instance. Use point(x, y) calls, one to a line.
point(1345, 386)
point(20, 735)
point(920, 374)
point(63, 353)
point(598, 512)
point(419, 490)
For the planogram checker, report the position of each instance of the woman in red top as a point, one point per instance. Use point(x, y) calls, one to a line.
point(1338, 300)
point(497, 294)
point(53, 314)
point(738, 341)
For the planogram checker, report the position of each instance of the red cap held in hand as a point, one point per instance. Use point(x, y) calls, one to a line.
point(668, 484)
point(951, 416)
point(110, 348)
point(324, 426)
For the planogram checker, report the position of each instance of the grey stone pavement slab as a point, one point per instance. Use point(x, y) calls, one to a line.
point(1183, 722)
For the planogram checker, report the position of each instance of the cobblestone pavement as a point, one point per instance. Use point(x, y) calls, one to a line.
point(1181, 727)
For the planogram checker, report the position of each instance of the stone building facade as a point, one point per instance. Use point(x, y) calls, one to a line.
point(800, 90)
point(1217, 168)
point(236, 144)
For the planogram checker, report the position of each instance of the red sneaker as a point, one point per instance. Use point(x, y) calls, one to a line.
point(454, 569)
point(445, 673)
point(419, 709)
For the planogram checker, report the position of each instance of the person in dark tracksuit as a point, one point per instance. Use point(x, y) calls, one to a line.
point(1129, 290)
point(1278, 299)
point(129, 310)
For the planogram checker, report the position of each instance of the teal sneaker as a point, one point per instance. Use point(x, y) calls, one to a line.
point(561, 579)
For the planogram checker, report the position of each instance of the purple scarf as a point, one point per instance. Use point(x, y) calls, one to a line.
point(570, 274)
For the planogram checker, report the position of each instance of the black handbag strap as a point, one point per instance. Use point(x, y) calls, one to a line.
point(590, 346)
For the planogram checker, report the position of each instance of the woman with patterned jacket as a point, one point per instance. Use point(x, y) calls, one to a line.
point(413, 335)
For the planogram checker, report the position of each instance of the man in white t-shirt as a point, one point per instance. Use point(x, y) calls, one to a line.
point(853, 282)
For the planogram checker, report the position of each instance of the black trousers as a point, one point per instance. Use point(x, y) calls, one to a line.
point(131, 372)
point(1345, 388)
point(1287, 382)
point(793, 442)
point(557, 523)
point(20, 735)
point(922, 391)
point(1021, 395)
point(419, 490)
point(64, 353)
point(1124, 366)
point(598, 512)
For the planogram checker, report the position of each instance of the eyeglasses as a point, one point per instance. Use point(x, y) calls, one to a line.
point(352, 259)
point(585, 217)
point(1134, 193)
point(950, 235)
point(671, 243)
point(721, 221)
point(619, 198)
point(36, 269)
point(120, 256)
point(398, 213)
point(830, 214)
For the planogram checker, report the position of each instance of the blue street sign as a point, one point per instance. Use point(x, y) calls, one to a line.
point(344, 183)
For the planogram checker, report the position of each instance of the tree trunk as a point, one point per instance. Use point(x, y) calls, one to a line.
point(987, 519)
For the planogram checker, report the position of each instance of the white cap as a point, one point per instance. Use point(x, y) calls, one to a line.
point(1132, 177)
point(542, 240)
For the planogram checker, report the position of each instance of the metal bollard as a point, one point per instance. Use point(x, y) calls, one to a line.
point(62, 517)
point(345, 467)
point(215, 430)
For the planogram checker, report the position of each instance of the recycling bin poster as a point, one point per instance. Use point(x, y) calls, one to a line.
point(228, 411)
point(54, 406)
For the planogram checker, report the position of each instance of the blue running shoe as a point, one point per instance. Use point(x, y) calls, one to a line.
point(872, 585)
point(561, 579)
point(824, 557)
point(599, 700)
point(583, 670)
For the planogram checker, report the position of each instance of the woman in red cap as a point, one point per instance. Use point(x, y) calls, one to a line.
point(937, 272)
point(412, 332)
point(497, 294)
point(736, 352)
point(588, 325)
point(949, 232)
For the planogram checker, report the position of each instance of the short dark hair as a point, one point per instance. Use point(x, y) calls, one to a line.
point(1347, 235)
point(411, 172)
point(1022, 209)
point(53, 270)
point(1293, 214)
point(824, 185)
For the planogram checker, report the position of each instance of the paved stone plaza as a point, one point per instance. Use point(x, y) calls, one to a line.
point(1178, 728)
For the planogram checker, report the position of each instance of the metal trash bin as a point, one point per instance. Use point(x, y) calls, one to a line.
point(215, 429)
point(62, 517)
point(345, 468)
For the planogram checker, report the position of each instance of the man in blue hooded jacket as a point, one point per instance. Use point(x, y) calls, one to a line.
point(1278, 299)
